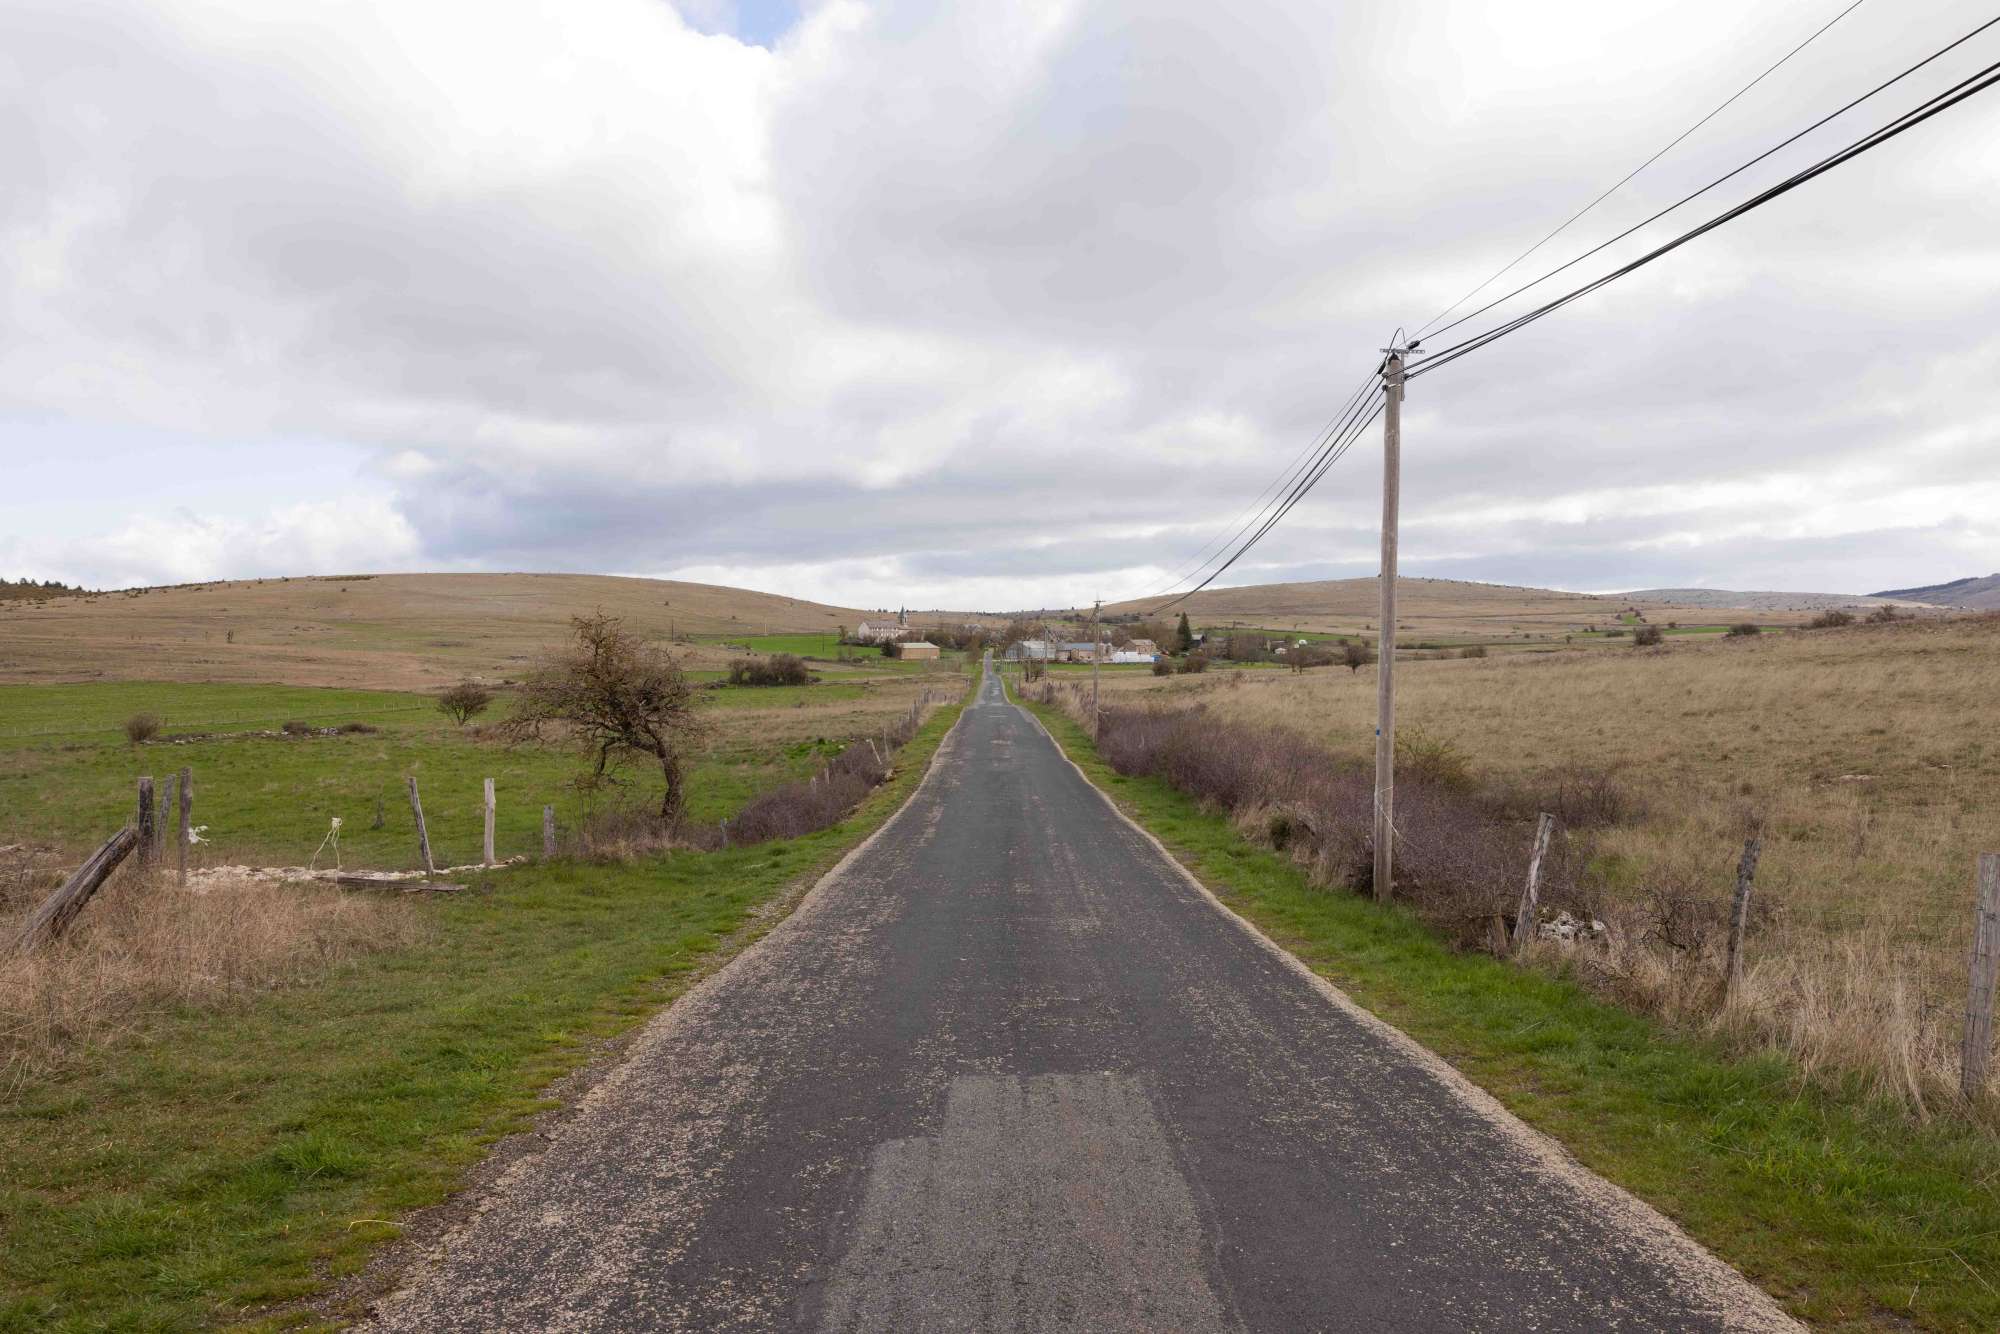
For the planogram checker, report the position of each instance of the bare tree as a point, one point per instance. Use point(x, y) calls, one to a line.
point(1355, 655)
point(464, 702)
point(612, 695)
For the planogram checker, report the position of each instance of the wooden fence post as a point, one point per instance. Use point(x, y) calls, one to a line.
point(163, 827)
point(548, 831)
point(725, 831)
point(59, 909)
point(486, 845)
point(1739, 912)
point(423, 835)
point(146, 822)
point(1531, 898)
point(187, 815)
point(1976, 1053)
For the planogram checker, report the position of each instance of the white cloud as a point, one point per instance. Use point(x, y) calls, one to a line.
point(607, 288)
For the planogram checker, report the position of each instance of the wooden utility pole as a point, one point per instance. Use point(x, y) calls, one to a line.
point(1976, 1052)
point(1385, 671)
point(1096, 652)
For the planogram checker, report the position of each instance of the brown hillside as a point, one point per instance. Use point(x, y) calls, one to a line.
point(1442, 608)
point(389, 631)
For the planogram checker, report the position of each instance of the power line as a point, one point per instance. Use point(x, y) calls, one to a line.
point(1357, 423)
point(1236, 527)
point(1727, 176)
point(1641, 167)
point(1917, 115)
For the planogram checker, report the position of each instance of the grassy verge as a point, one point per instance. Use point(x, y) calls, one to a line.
point(221, 1162)
point(1836, 1204)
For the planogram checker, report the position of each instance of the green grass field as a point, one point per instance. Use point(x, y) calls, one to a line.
point(219, 1162)
point(1852, 1216)
point(67, 774)
point(826, 651)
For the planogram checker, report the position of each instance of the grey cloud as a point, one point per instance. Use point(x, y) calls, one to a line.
point(975, 292)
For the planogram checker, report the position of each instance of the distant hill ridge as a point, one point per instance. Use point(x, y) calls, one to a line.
point(1763, 599)
point(1975, 592)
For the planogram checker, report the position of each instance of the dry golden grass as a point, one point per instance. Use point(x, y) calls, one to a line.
point(1867, 755)
point(144, 942)
point(383, 632)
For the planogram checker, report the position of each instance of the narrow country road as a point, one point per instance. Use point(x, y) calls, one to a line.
point(1009, 1069)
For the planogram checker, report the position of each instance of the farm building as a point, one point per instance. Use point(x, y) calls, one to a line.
point(876, 632)
point(1036, 650)
point(915, 648)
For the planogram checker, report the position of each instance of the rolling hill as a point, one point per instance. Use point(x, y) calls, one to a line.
point(1445, 608)
point(388, 631)
point(1973, 594)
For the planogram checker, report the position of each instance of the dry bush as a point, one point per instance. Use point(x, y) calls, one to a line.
point(143, 944)
point(465, 701)
point(142, 727)
point(780, 669)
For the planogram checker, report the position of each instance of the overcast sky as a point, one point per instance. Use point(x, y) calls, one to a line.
point(979, 305)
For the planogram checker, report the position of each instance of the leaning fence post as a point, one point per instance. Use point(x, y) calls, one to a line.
point(1739, 911)
point(486, 844)
point(548, 831)
point(146, 822)
point(59, 909)
point(423, 835)
point(1976, 1053)
point(1524, 919)
point(187, 814)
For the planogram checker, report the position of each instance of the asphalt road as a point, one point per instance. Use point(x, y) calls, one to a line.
point(1008, 1068)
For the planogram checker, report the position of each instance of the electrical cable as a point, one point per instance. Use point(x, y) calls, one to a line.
point(1917, 115)
point(1641, 167)
point(1727, 176)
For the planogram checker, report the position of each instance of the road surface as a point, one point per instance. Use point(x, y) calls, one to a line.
point(1008, 1068)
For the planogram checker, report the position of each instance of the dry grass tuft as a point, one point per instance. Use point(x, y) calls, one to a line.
point(143, 944)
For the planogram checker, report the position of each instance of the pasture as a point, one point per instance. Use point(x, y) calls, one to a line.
point(67, 772)
point(1865, 755)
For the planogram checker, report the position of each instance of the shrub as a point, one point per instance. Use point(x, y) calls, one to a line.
point(464, 702)
point(142, 727)
point(352, 729)
point(1194, 663)
point(1434, 759)
point(1831, 619)
point(1355, 655)
point(780, 669)
point(1033, 669)
point(1473, 651)
point(296, 728)
point(1648, 636)
point(611, 695)
point(1884, 614)
point(1163, 665)
point(1744, 629)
